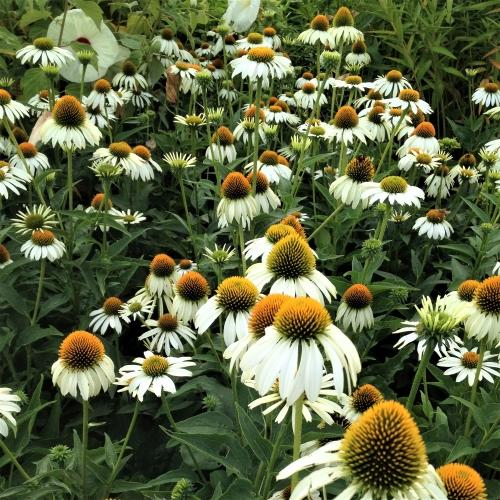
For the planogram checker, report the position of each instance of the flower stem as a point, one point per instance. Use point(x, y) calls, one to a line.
point(473, 392)
point(186, 210)
point(256, 137)
point(241, 238)
point(326, 221)
point(429, 348)
point(85, 443)
point(69, 181)
point(131, 427)
point(388, 148)
point(82, 82)
point(66, 5)
point(297, 436)
point(274, 457)
point(13, 459)
point(43, 266)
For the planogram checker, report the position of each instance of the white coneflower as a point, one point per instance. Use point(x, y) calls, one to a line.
point(438, 323)
point(361, 400)
point(269, 164)
point(183, 267)
point(277, 113)
point(358, 54)
point(179, 161)
point(137, 307)
point(160, 279)
point(462, 482)
point(166, 43)
point(323, 406)
point(291, 266)
point(103, 97)
point(496, 268)
point(83, 368)
point(44, 52)
point(351, 82)
point(261, 316)
point(259, 248)
point(152, 373)
point(227, 92)
point(409, 99)
point(43, 245)
point(10, 180)
point(343, 30)
point(166, 333)
point(5, 259)
point(271, 38)
point(393, 190)
point(140, 99)
point(40, 103)
point(465, 174)
point(318, 32)
point(484, 318)
point(308, 95)
point(98, 118)
point(127, 217)
point(423, 138)
point(251, 41)
point(107, 316)
point(346, 126)
point(261, 62)
point(434, 225)
point(191, 292)
point(439, 182)
point(37, 218)
point(222, 146)
point(462, 297)
point(10, 109)
point(8, 407)
point(372, 98)
point(355, 309)
point(69, 126)
point(290, 352)
point(463, 363)
point(186, 72)
point(265, 198)
point(400, 125)
point(191, 121)
point(121, 154)
point(487, 95)
point(235, 296)
point(237, 202)
point(420, 159)
point(128, 78)
point(245, 131)
point(35, 160)
point(349, 187)
point(391, 84)
point(382, 455)
point(372, 121)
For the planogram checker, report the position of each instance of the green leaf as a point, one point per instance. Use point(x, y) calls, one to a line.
point(33, 81)
point(33, 333)
point(33, 16)
point(206, 423)
point(91, 9)
point(109, 451)
point(443, 51)
point(261, 447)
point(222, 448)
point(462, 448)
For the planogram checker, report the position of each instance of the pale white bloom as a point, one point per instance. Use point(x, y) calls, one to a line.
point(107, 316)
point(127, 217)
point(391, 84)
point(261, 62)
point(393, 190)
point(152, 373)
point(43, 245)
point(487, 95)
point(10, 109)
point(44, 52)
point(241, 14)
point(8, 407)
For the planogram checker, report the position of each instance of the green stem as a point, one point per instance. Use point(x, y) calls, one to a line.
point(209, 137)
point(69, 180)
point(297, 436)
point(274, 458)
point(59, 40)
point(85, 444)
point(43, 265)
point(429, 349)
point(186, 211)
point(388, 148)
point(326, 221)
point(131, 427)
point(473, 392)
point(380, 232)
point(82, 82)
point(241, 238)
point(258, 95)
point(13, 459)
point(104, 210)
